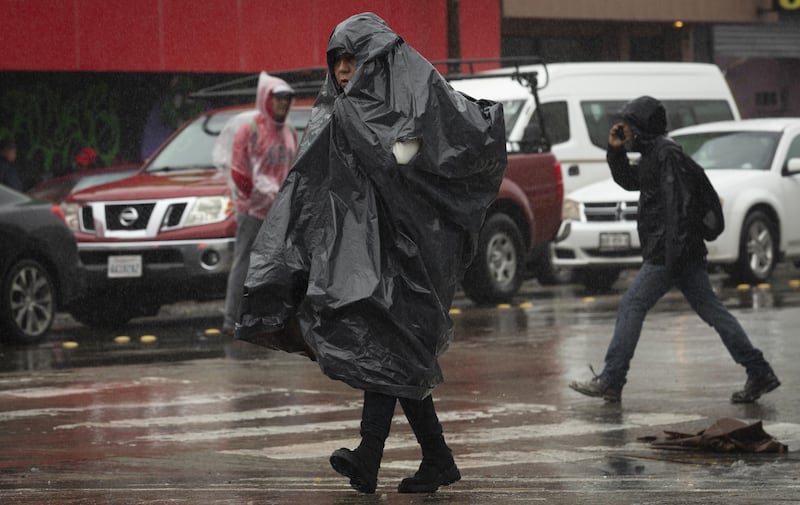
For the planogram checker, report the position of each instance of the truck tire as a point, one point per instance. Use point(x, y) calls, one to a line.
point(28, 303)
point(496, 273)
point(758, 249)
point(599, 280)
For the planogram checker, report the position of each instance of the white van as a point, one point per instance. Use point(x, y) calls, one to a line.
point(579, 102)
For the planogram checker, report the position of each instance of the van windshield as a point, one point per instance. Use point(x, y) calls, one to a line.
point(511, 111)
point(599, 115)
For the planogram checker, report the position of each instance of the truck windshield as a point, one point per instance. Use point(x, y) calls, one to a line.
point(191, 148)
point(745, 150)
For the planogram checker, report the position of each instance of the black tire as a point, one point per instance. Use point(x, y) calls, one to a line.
point(758, 249)
point(496, 273)
point(549, 275)
point(103, 312)
point(599, 280)
point(29, 303)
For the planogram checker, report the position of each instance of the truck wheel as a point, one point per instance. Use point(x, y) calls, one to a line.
point(28, 303)
point(495, 274)
point(103, 312)
point(599, 280)
point(758, 249)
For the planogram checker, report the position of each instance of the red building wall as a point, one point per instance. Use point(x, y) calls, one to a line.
point(218, 35)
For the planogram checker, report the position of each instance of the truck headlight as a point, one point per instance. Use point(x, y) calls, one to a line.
point(570, 210)
point(209, 209)
point(72, 213)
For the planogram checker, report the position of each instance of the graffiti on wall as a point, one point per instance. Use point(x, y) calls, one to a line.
point(52, 127)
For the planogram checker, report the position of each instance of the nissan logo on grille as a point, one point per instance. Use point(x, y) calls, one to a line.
point(128, 216)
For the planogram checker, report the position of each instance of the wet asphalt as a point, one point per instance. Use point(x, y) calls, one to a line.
point(170, 411)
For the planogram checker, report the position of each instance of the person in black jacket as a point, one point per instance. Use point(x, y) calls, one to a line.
point(673, 251)
point(8, 170)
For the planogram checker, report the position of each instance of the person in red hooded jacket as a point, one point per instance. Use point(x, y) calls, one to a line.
point(262, 154)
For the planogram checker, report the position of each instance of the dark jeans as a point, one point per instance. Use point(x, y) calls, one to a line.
point(247, 228)
point(378, 410)
point(650, 284)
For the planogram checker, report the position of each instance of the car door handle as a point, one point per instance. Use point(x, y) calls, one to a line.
point(574, 170)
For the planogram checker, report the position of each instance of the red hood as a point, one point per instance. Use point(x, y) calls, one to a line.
point(157, 185)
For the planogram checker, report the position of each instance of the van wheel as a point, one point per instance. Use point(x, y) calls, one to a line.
point(548, 275)
point(495, 274)
point(758, 249)
point(600, 280)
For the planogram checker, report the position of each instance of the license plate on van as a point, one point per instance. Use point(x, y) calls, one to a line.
point(615, 241)
point(124, 266)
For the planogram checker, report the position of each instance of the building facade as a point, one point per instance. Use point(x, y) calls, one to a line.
point(100, 73)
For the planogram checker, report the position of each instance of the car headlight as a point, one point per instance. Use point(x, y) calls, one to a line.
point(72, 212)
point(570, 210)
point(209, 209)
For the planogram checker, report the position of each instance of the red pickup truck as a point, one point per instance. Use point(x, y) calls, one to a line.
point(166, 234)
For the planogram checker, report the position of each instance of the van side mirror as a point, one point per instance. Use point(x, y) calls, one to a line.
point(792, 166)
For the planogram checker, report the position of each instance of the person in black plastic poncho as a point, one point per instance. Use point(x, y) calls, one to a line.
point(358, 261)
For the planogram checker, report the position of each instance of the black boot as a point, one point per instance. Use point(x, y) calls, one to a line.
point(361, 464)
point(437, 469)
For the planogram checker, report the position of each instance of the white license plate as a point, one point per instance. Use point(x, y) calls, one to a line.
point(615, 241)
point(124, 266)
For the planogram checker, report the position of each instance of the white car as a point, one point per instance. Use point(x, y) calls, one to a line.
point(754, 164)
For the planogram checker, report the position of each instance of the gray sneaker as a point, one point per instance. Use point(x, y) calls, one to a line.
point(756, 386)
point(597, 388)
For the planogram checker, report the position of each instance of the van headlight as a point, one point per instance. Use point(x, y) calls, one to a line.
point(570, 210)
point(209, 209)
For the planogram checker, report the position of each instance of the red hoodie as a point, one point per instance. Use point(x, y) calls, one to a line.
point(260, 162)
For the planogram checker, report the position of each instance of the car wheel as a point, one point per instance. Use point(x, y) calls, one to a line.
point(758, 249)
point(29, 303)
point(495, 274)
point(599, 280)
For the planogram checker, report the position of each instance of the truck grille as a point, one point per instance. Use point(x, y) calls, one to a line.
point(610, 211)
point(134, 219)
point(128, 216)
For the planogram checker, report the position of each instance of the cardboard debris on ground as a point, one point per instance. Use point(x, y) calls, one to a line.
point(725, 435)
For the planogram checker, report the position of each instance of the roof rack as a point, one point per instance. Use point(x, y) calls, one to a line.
point(308, 81)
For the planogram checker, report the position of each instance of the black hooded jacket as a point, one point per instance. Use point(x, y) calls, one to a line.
point(363, 254)
point(668, 225)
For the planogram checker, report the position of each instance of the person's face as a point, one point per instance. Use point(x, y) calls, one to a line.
point(344, 68)
point(280, 107)
point(10, 154)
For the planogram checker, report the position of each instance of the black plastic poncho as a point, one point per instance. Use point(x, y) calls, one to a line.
point(358, 261)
